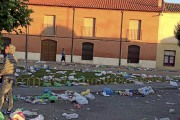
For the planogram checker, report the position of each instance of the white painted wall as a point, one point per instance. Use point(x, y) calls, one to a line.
point(96, 60)
point(142, 63)
point(31, 56)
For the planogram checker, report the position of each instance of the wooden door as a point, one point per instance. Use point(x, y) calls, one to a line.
point(87, 51)
point(133, 54)
point(48, 50)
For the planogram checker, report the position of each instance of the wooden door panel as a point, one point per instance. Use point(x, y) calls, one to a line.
point(48, 50)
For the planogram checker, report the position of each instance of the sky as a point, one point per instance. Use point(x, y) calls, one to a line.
point(172, 1)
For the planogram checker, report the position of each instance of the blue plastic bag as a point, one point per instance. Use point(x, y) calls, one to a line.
point(37, 69)
point(108, 91)
point(46, 90)
point(128, 76)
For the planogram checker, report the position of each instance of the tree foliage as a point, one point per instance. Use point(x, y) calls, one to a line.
point(177, 32)
point(13, 13)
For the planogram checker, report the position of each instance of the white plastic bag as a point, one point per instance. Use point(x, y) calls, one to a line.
point(64, 97)
point(98, 74)
point(27, 112)
point(146, 90)
point(40, 117)
point(139, 83)
point(90, 96)
point(173, 83)
point(80, 99)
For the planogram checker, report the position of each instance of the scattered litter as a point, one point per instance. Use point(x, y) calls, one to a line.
point(70, 116)
point(17, 115)
point(90, 96)
point(86, 92)
point(160, 96)
point(169, 103)
point(40, 117)
point(138, 83)
point(79, 99)
point(146, 90)
point(1, 116)
point(172, 111)
point(167, 118)
point(173, 83)
point(108, 91)
point(78, 106)
point(27, 112)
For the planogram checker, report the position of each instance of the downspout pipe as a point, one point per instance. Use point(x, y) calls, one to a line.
point(72, 36)
point(26, 54)
point(122, 15)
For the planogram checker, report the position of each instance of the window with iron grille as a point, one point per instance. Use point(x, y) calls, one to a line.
point(133, 54)
point(87, 51)
point(49, 25)
point(89, 27)
point(134, 30)
point(169, 58)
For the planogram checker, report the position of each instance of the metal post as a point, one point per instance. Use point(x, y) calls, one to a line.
point(72, 36)
point(121, 38)
point(26, 55)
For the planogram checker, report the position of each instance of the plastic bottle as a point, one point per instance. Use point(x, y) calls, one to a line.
point(155, 118)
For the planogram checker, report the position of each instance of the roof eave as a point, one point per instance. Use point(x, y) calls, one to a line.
point(97, 8)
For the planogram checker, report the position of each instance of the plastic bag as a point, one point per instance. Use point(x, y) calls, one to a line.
point(80, 99)
point(46, 95)
point(108, 91)
point(68, 83)
point(64, 97)
point(27, 112)
point(146, 90)
point(173, 83)
point(53, 98)
point(57, 84)
point(81, 78)
point(98, 74)
point(86, 92)
point(90, 96)
point(46, 90)
point(1, 116)
point(47, 84)
point(40, 117)
point(15, 98)
point(18, 115)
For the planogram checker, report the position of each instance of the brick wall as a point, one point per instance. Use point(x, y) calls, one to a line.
point(107, 27)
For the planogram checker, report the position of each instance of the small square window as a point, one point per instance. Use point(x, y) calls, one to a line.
point(169, 58)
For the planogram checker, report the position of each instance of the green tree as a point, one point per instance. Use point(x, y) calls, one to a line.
point(177, 32)
point(13, 13)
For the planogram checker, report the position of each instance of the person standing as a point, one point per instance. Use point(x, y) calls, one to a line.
point(9, 77)
point(63, 58)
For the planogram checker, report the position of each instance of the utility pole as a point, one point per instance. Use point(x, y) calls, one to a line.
point(121, 38)
point(26, 55)
point(72, 36)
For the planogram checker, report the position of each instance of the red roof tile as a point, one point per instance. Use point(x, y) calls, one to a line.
point(172, 7)
point(137, 5)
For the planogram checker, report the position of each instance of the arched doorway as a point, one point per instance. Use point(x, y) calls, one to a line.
point(6, 42)
point(87, 51)
point(48, 50)
point(133, 54)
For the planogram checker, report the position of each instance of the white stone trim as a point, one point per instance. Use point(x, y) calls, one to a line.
point(31, 56)
point(96, 60)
